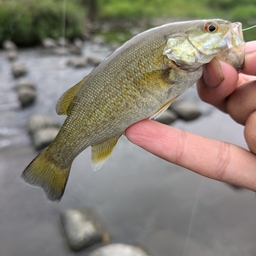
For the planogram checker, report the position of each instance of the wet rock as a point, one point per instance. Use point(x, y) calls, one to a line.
point(82, 228)
point(77, 62)
point(44, 137)
point(99, 39)
point(61, 51)
point(167, 117)
point(26, 96)
point(93, 60)
point(12, 55)
point(41, 122)
point(25, 83)
point(77, 47)
point(185, 110)
point(9, 45)
point(18, 69)
point(62, 41)
point(119, 250)
point(49, 43)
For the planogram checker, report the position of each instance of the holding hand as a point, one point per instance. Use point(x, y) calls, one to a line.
point(232, 93)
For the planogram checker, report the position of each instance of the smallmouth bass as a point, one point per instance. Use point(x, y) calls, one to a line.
point(137, 81)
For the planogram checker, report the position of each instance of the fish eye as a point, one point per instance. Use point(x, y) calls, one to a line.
point(210, 27)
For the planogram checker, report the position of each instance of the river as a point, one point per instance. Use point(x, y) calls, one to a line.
point(142, 199)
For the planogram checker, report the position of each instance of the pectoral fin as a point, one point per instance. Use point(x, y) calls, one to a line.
point(66, 99)
point(101, 152)
point(162, 109)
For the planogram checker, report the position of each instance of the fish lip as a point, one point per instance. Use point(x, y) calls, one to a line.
point(235, 47)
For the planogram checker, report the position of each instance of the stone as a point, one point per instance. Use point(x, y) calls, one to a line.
point(26, 96)
point(93, 60)
point(185, 110)
point(77, 62)
point(49, 43)
point(44, 137)
point(167, 117)
point(61, 51)
point(41, 122)
point(9, 45)
point(119, 249)
point(83, 228)
point(62, 41)
point(78, 43)
point(12, 55)
point(77, 47)
point(99, 39)
point(25, 83)
point(18, 69)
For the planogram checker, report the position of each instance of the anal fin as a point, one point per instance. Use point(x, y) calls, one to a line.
point(101, 152)
point(66, 99)
point(162, 109)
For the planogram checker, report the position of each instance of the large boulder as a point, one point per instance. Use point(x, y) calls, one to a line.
point(83, 228)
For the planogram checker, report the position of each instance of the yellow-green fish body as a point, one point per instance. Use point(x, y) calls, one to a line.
point(139, 80)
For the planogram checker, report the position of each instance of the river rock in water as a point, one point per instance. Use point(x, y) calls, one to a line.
point(26, 96)
point(93, 60)
point(9, 45)
point(25, 83)
point(185, 110)
point(167, 117)
point(12, 55)
point(83, 228)
point(44, 137)
point(119, 250)
point(77, 62)
point(18, 69)
point(40, 122)
point(49, 43)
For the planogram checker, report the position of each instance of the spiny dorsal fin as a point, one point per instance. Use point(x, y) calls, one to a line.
point(66, 99)
point(101, 152)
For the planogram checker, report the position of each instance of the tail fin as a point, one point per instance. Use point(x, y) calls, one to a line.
point(45, 173)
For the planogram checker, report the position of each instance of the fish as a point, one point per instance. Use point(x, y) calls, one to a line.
point(138, 80)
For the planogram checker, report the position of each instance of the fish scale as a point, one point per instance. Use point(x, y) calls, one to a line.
point(139, 80)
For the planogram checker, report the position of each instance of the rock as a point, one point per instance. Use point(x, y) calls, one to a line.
point(94, 60)
point(185, 110)
point(77, 62)
point(119, 250)
point(77, 47)
point(49, 43)
point(26, 96)
point(44, 137)
point(61, 51)
point(41, 122)
point(9, 45)
point(167, 117)
point(25, 83)
point(99, 39)
point(62, 41)
point(18, 69)
point(12, 55)
point(82, 228)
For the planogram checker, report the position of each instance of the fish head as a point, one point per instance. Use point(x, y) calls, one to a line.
point(205, 40)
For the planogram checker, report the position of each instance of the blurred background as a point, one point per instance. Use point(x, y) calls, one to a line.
point(47, 47)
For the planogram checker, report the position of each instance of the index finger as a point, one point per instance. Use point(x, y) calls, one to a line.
point(250, 59)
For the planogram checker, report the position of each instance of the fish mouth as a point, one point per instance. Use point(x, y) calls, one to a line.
point(234, 54)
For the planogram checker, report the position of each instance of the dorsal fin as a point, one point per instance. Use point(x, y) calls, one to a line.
point(66, 99)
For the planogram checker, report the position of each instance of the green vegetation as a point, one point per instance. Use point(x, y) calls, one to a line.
point(27, 22)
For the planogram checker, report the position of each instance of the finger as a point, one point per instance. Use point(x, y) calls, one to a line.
point(241, 103)
point(250, 132)
point(250, 58)
point(214, 159)
point(222, 87)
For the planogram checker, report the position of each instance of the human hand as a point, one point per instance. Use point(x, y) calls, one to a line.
point(234, 94)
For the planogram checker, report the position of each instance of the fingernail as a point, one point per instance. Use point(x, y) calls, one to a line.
point(213, 75)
